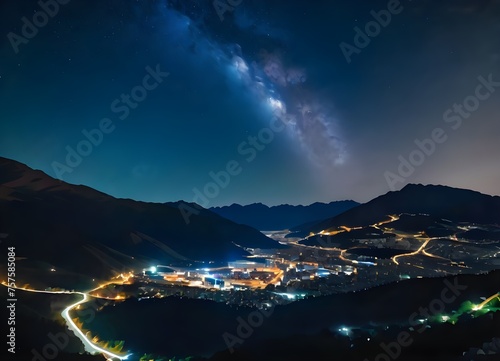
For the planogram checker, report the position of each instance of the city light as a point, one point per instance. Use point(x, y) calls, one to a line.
point(476, 307)
point(345, 330)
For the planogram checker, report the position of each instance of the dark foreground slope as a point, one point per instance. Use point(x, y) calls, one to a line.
point(308, 329)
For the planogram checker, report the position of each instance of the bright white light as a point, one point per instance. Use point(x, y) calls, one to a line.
point(345, 330)
point(153, 269)
point(87, 343)
point(276, 104)
point(240, 64)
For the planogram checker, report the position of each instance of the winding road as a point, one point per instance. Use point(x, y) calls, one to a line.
point(89, 346)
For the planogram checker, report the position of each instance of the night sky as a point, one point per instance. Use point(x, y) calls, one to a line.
point(264, 90)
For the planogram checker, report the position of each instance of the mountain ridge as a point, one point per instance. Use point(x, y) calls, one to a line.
point(456, 204)
point(285, 216)
point(89, 232)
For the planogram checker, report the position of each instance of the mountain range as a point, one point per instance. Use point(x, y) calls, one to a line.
point(55, 225)
point(84, 231)
point(436, 201)
point(284, 216)
point(431, 210)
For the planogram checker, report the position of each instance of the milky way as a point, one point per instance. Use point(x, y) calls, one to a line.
point(267, 74)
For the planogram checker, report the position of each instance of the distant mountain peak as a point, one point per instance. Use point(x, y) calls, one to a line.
point(437, 200)
point(283, 216)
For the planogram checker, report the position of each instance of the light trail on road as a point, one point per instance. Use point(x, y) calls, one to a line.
point(88, 344)
point(394, 259)
point(486, 301)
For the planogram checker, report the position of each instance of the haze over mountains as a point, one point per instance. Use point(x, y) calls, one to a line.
point(284, 216)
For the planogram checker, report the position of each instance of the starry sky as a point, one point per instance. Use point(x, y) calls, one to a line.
point(243, 101)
